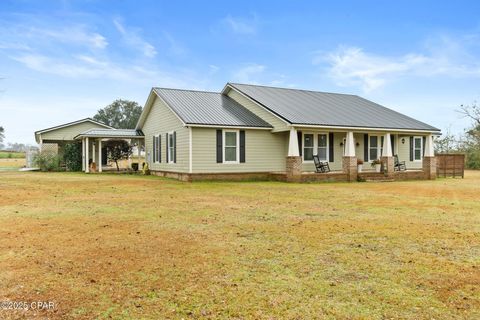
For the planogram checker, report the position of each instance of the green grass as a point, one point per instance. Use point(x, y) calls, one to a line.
point(131, 247)
point(11, 155)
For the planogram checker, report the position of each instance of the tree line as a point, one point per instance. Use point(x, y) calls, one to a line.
point(468, 142)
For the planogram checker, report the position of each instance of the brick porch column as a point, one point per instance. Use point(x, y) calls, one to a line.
point(350, 167)
point(294, 168)
point(429, 167)
point(429, 163)
point(387, 156)
point(388, 165)
point(349, 161)
point(294, 160)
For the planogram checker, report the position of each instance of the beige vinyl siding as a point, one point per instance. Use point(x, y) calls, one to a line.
point(68, 133)
point(264, 152)
point(404, 153)
point(278, 124)
point(162, 120)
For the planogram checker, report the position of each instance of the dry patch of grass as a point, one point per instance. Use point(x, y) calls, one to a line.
point(131, 247)
point(11, 164)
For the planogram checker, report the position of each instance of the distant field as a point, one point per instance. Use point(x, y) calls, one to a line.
point(10, 154)
point(132, 247)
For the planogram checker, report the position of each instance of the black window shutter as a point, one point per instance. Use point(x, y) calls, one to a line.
point(423, 144)
point(219, 146)
point(411, 149)
point(242, 146)
point(154, 148)
point(159, 148)
point(331, 157)
point(365, 147)
point(392, 139)
point(300, 144)
point(166, 148)
point(174, 146)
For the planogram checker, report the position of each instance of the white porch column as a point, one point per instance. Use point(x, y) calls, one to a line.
point(83, 154)
point(293, 144)
point(387, 146)
point(94, 146)
point(349, 145)
point(99, 155)
point(429, 152)
point(87, 167)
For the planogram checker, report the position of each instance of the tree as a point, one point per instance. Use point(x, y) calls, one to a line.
point(118, 150)
point(471, 142)
point(121, 114)
point(2, 136)
point(446, 143)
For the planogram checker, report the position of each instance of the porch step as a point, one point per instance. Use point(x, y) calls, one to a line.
point(380, 180)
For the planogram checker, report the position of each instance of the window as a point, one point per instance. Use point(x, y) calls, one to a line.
point(373, 155)
point(308, 146)
point(375, 147)
point(322, 147)
point(171, 147)
point(417, 148)
point(315, 144)
point(231, 150)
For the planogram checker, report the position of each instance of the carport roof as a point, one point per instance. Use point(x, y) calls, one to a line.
point(111, 133)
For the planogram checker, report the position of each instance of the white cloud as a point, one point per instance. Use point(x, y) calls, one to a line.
point(247, 73)
point(241, 25)
point(352, 66)
point(133, 39)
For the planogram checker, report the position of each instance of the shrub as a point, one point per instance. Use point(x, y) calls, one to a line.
point(47, 161)
point(72, 156)
point(118, 150)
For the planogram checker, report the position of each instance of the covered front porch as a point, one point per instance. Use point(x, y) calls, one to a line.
point(95, 152)
point(352, 155)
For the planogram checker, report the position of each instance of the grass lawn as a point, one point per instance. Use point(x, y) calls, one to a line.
point(11, 164)
point(132, 247)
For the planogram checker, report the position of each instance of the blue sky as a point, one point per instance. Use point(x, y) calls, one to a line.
point(63, 60)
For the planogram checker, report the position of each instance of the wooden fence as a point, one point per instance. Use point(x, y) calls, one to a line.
point(450, 165)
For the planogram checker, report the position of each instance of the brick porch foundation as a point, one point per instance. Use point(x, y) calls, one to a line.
point(294, 169)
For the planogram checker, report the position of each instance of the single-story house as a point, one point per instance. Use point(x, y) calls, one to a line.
point(252, 131)
point(259, 131)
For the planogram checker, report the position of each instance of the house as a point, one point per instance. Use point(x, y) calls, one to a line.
point(251, 131)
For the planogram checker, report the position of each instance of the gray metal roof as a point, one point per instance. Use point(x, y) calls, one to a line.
point(112, 133)
point(328, 109)
point(209, 108)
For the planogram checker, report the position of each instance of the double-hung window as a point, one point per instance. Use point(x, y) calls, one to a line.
point(375, 147)
point(322, 149)
point(231, 146)
point(171, 147)
point(417, 148)
point(308, 146)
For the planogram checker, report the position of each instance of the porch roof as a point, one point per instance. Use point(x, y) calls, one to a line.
point(112, 133)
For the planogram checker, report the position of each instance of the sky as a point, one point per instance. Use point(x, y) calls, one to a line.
point(61, 61)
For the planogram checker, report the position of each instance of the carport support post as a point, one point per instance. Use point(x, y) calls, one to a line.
point(387, 156)
point(429, 163)
point(87, 166)
point(349, 158)
point(100, 155)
